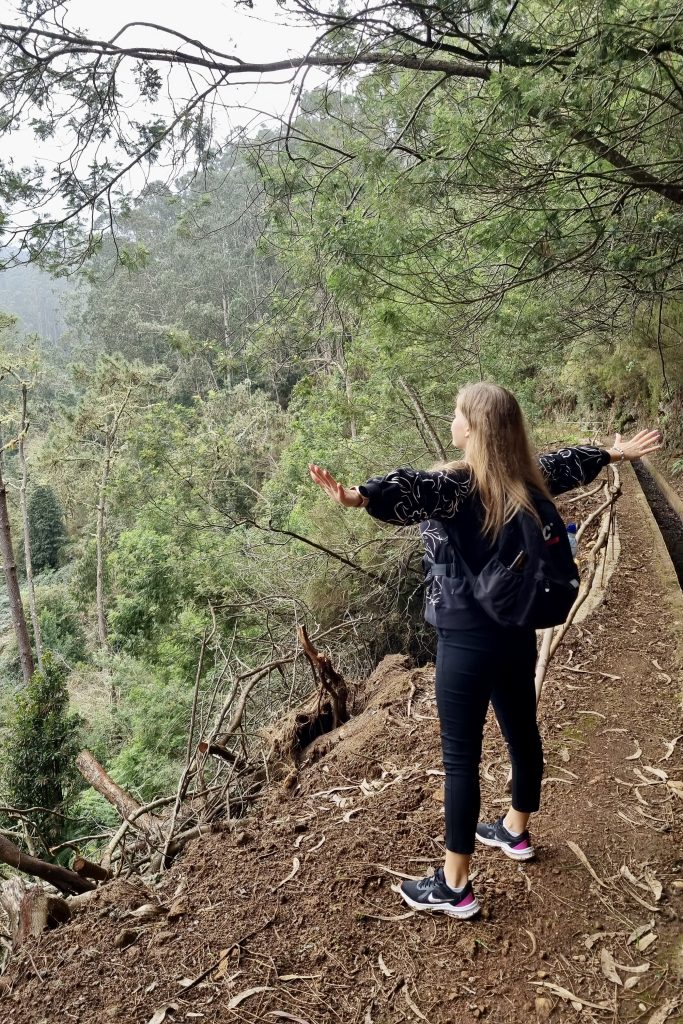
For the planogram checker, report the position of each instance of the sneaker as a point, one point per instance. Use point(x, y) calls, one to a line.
point(433, 893)
point(516, 847)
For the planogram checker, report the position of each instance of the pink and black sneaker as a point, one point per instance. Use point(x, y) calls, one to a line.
point(516, 847)
point(433, 893)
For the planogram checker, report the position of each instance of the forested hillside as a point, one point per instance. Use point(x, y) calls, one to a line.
point(493, 193)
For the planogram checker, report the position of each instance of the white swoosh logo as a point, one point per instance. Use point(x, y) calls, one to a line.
point(430, 899)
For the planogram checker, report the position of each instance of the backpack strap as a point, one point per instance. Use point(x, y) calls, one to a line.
point(459, 568)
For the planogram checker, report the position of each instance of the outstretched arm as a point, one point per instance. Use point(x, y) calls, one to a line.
point(402, 497)
point(577, 466)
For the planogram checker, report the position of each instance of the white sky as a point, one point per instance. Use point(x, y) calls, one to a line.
point(261, 34)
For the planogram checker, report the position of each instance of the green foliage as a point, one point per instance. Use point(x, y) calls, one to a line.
point(60, 623)
point(46, 528)
point(41, 743)
point(83, 579)
point(151, 720)
point(146, 568)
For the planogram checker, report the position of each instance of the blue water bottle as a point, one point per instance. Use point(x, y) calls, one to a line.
point(571, 537)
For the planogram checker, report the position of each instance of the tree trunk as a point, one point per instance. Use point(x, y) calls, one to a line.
point(423, 419)
point(27, 533)
point(62, 878)
point(100, 539)
point(14, 594)
point(86, 869)
point(93, 772)
point(30, 910)
point(226, 329)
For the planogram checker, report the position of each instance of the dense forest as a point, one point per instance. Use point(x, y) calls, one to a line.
point(506, 205)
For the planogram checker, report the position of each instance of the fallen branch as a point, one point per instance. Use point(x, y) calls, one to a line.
point(606, 509)
point(543, 661)
point(130, 820)
point(330, 680)
point(93, 772)
point(176, 844)
point(86, 869)
point(190, 758)
point(64, 879)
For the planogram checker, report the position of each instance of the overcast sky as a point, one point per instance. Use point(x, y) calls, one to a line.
point(261, 34)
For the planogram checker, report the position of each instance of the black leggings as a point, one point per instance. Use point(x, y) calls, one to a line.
point(473, 667)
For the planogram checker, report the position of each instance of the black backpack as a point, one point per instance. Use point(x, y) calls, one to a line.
point(532, 579)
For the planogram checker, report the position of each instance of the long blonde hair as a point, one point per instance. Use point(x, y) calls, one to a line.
point(499, 454)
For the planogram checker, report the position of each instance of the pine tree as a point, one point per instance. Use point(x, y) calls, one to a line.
point(46, 526)
point(41, 745)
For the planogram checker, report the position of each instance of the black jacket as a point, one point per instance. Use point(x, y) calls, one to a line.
point(408, 496)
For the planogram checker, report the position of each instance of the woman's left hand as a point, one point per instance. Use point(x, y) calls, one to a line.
point(642, 443)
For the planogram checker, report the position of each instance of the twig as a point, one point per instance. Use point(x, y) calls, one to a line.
point(182, 783)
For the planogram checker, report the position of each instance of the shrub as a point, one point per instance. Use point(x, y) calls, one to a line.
point(41, 745)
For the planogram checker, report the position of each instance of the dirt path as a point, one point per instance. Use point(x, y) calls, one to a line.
point(335, 943)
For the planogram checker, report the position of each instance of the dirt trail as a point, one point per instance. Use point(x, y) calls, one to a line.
point(335, 943)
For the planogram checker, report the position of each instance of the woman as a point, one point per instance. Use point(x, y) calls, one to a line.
point(479, 661)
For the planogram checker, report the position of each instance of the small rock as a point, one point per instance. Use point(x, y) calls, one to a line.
point(176, 910)
point(126, 937)
point(544, 1007)
point(146, 912)
point(467, 945)
point(242, 838)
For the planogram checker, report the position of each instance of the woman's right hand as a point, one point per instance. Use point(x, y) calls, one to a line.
point(346, 496)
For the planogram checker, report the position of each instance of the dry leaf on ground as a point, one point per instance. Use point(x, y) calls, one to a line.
point(664, 1011)
point(383, 967)
point(640, 930)
point(670, 747)
point(578, 852)
point(608, 966)
point(296, 864)
point(159, 1016)
point(564, 993)
point(286, 1016)
point(241, 996)
point(646, 941)
point(416, 1010)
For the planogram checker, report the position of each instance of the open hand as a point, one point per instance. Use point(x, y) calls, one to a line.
point(346, 496)
point(642, 443)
